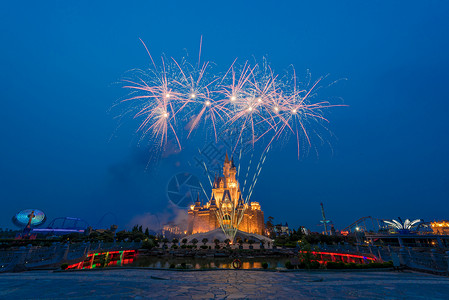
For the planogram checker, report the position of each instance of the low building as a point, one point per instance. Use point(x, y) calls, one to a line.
point(441, 227)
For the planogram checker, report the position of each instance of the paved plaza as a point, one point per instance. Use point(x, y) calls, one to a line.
point(221, 284)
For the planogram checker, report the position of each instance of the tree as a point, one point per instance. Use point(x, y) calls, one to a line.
point(204, 241)
point(137, 236)
point(175, 241)
point(194, 242)
point(147, 232)
point(270, 225)
point(184, 241)
point(227, 241)
point(239, 241)
point(306, 256)
point(123, 235)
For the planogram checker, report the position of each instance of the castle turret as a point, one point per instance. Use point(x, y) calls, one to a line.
point(198, 202)
point(232, 170)
point(226, 166)
point(213, 203)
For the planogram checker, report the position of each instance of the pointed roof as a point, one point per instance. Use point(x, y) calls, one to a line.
point(226, 192)
point(226, 158)
point(240, 200)
point(212, 201)
point(232, 162)
point(215, 185)
point(197, 203)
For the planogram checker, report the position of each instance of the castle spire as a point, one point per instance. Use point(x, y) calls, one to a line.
point(240, 203)
point(213, 201)
point(226, 158)
point(232, 162)
point(198, 203)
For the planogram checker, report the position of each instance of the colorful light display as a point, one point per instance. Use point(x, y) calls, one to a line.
point(29, 217)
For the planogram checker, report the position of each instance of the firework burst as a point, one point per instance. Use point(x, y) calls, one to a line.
point(176, 98)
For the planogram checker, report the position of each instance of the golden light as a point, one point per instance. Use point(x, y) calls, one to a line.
point(276, 109)
point(167, 95)
point(259, 100)
point(165, 115)
point(440, 224)
point(233, 98)
point(207, 103)
point(250, 109)
point(192, 96)
point(294, 111)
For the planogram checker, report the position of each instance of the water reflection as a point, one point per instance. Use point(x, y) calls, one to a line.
point(129, 258)
point(207, 263)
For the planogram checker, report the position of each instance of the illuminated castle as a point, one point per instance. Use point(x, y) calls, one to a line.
point(226, 196)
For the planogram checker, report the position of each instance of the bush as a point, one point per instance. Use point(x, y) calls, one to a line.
point(314, 265)
point(388, 264)
point(342, 265)
point(379, 265)
point(217, 246)
point(289, 265)
point(172, 266)
point(290, 245)
point(183, 265)
point(335, 265)
point(353, 266)
point(148, 244)
point(204, 247)
point(64, 266)
point(265, 265)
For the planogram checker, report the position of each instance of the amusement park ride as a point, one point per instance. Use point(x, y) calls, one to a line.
point(325, 221)
point(29, 219)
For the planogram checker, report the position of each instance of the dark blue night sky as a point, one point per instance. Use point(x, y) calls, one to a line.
point(63, 151)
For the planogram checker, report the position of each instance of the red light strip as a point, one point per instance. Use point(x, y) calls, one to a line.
point(90, 258)
point(341, 254)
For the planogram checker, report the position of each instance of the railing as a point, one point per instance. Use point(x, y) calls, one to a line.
point(425, 260)
point(31, 257)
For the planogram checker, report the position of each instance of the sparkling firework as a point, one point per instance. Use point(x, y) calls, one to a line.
point(175, 98)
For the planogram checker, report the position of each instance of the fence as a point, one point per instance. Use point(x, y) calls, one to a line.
point(420, 260)
point(31, 257)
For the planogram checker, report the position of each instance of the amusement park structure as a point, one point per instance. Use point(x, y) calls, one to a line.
point(324, 221)
point(361, 224)
point(63, 225)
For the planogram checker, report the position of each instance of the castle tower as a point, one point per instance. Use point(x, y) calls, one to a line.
point(226, 206)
